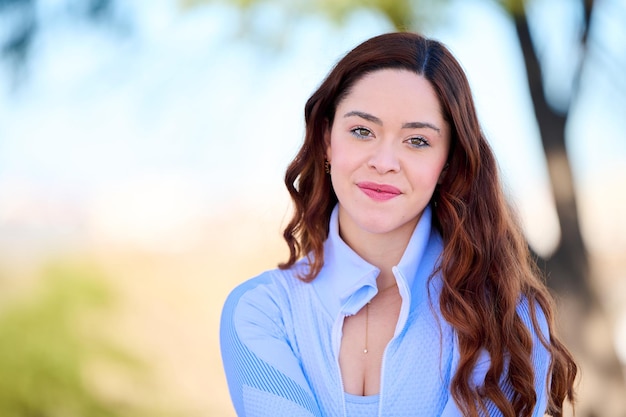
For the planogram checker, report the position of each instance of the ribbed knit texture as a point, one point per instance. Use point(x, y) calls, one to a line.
point(362, 406)
point(280, 339)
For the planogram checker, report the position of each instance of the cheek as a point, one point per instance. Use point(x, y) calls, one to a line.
point(425, 175)
point(343, 156)
point(341, 170)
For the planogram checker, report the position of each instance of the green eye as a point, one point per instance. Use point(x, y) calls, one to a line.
point(417, 142)
point(361, 132)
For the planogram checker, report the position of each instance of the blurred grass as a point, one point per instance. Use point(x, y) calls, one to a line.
point(116, 330)
point(51, 336)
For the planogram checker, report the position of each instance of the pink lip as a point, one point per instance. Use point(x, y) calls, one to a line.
point(379, 192)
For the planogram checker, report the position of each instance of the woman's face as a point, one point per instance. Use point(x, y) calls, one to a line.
point(387, 147)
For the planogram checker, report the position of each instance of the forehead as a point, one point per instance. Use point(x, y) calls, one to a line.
point(396, 93)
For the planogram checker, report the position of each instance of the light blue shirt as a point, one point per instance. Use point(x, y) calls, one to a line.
point(280, 338)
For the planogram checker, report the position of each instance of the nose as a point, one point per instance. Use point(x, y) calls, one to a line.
point(384, 158)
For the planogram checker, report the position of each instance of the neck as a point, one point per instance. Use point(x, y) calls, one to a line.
point(384, 251)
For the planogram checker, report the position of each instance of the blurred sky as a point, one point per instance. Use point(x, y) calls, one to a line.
point(136, 131)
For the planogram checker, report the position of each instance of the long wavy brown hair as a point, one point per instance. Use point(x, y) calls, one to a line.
point(485, 264)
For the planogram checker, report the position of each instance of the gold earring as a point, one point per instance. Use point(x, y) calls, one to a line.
point(327, 166)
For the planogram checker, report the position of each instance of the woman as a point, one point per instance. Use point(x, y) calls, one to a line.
point(409, 290)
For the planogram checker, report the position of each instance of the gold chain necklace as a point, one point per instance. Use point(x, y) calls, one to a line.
point(367, 316)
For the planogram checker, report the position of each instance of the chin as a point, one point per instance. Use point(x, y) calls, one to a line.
point(379, 228)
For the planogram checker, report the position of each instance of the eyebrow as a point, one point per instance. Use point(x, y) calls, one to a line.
point(408, 125)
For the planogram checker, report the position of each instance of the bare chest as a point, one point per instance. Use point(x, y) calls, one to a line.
point(365, 337)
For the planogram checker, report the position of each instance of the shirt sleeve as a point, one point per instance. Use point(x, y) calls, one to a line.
point(540, 358)
point(263, 373)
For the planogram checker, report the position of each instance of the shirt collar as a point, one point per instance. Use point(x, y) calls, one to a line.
point(346, 281)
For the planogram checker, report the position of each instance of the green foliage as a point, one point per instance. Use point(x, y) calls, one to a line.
point(402, 14)
point(49, 338)
point(399, 12)
point(513, 7)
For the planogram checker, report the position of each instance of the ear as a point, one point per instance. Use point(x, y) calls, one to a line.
point(444, 171)
point(327, 141)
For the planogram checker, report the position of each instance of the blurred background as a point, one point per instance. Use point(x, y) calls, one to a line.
point(142, 149)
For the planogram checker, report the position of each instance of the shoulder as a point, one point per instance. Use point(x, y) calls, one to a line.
point(536, 321)
point(258, 318)
point(262, 300)
point(534, 318)
point(264, 291)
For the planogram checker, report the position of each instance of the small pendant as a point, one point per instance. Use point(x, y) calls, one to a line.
point(364, 350)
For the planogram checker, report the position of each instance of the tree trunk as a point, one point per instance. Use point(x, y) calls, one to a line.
point(568, 267)
point(585, 323)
